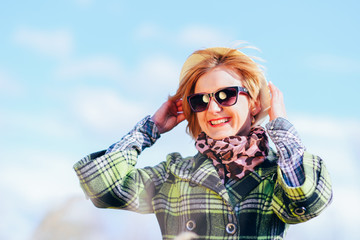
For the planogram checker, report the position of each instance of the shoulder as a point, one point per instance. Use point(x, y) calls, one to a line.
point(179, 165)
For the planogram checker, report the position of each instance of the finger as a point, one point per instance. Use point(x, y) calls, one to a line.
point(171, 108)
point(180, 118)
point(274, 92)
point(272, 88)
point(179, 103)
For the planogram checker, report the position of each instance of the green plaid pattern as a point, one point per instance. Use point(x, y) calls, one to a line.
point(187, 194)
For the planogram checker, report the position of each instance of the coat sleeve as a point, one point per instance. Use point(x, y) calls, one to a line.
point(112, 181)
point(109, 178)
point(301, 203)
point(290, 150)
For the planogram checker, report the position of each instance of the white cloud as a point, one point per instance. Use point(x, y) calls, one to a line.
point(56, 43)
point(39, 176)
point(9, 84)
point(333, 63)
point(326, 126)
point(52, 126)
point(202, 36)
point(97, 66)
point(32, 182)
point(48, 125)
point(104, 110)
point(197, 36)
point(160, 71)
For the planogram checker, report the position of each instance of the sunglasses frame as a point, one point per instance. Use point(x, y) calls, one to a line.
point(239, 90)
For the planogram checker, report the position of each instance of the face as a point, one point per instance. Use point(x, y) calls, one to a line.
point(217, 121)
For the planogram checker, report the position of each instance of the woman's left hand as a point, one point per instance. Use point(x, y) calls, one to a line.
point(277, 106)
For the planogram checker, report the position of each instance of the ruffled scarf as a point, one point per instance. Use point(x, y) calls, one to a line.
point(236, 156)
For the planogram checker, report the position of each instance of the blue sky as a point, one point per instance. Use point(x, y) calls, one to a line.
point(76, 75)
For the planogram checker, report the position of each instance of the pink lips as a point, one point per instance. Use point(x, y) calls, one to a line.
point(219, 122)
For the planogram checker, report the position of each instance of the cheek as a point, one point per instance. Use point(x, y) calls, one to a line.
point(200, 118)
point(241, 113)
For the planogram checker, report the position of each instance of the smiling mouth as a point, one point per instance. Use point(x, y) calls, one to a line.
point(219, 121)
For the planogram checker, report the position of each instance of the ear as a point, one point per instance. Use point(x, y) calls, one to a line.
point(255, 108)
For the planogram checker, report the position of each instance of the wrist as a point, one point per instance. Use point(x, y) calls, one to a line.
point(157, 126)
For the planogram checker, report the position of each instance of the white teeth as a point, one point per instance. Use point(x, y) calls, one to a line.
point(219, 121)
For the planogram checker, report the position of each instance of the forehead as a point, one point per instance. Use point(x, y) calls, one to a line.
point(217, 78)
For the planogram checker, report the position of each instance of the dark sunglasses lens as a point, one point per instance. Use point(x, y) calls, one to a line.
point(227, 96)
point(198, 103)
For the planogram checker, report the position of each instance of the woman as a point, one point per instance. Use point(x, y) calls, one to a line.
point(236, 187)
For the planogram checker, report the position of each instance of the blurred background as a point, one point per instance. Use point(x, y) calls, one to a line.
point(76, 75)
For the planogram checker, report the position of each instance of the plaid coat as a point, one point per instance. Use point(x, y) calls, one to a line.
point(186, 194)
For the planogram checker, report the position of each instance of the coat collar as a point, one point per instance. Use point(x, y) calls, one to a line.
point(199, 170)
point(205, 174)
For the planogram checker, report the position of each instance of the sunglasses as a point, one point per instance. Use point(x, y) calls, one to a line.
point(225, 97)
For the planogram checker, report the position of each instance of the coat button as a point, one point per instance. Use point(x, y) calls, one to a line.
point(230, 228)
point(192, 184)
point(190, 225)
point(300, 211)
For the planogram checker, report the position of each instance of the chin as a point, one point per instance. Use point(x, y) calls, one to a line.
point(218, 136)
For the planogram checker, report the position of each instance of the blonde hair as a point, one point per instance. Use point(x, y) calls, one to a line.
point(250, 72)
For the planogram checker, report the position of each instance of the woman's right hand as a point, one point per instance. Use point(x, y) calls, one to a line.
point(169, 115)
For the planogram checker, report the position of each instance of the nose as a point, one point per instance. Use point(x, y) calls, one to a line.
point(214, 107)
